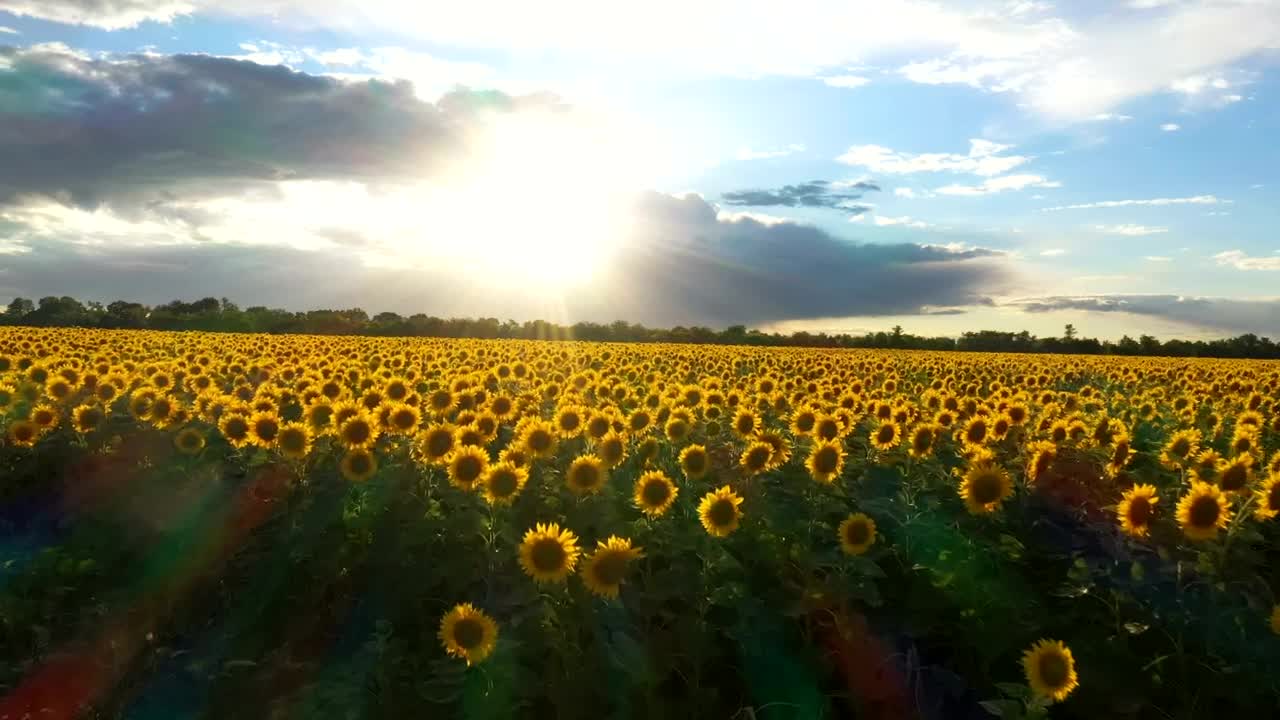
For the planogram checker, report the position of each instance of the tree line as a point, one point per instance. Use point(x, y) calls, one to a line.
point(222, 315)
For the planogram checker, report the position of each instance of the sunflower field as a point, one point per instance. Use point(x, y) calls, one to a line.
point(213, 525)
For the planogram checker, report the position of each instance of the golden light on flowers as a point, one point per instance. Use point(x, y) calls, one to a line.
point(189, 441)
point(502, 482)
point(87, 418)
point(539, 439)
point(720, 512)
point(466, 465)
point(857, 534)
point(1050, 670)
point(923, 438)
point(468, 633)
point(1136, 510)
point(781, 448)
point(826, 459)
point(1041, 455)
point(358, 431)
point(358, 465)
point(694, 461)
point(655, 493)
point(611, 449)
point(1203, 511)
point(24, 433)
point(745, 423)
point(886, 436)
point(586, 475)
point(437, 442)
point(1180, 448)
point(235, 428)
point(1236, 474)
point(755, 458)
point(604, 571)
point(984, 487)
point(1267, 498)
point(294, 440)
point(548, 554)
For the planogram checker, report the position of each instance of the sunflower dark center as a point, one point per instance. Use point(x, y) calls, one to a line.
point(356, 432)
point(570, 422)
point(439, 443)
point(539, 440)
point(359, 464)
point(585, 476)
point(503, 483)
point(826, 459)
point(858, 533)
point(655, 493)
point(468, 633)
point(758, 456)
point(721, 513)
point(1180, 447)
point(976, 432)
point(885, 434)
point(805, 422)
point(1054, 670)
point(1273, 497)
point(1139, 511)
point(236, 428)
point(598, 426)
point(986, 488)
point(1204, 512)
point(695, 462)
point(467, 468)
point(403, 419)
point(548, 555)
point(1234, 477)
point(610, 568)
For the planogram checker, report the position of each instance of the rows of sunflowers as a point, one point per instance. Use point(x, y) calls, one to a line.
point(193, 525)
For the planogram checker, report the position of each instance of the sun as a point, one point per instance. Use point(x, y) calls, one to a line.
point(543, 202)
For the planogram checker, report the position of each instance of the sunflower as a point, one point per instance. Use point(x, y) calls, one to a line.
point(436, 442)
point(586, 475)
point(719, 511)
point(1268, 498)
point(655, 493)
point(857, 534)
point(781, 448)
point(358, 431)
point(1136, 509)
point(87, 418)
point(264, 428)
point(1203, 511)
point(695, 462)
point(639, 421)
point(548, 554)
point(468, 633)
point(539, 438)
point(467, 465)
point(319, 415)
point(1244, 440)
point(827, 428)
point(745, 423)
point(515, 455)
point(358, 465)
point(569, 421)
point(985, 486)
point(8, 395)
point(923, 438)
point(677, 430)
point(294, 440)
point(189, 441)
point(886, 436)
point(24, 433)
point(1235, 476)
point(611, 449)
point(1050, 670)
point(803, 420)
point(1121, 453)
point(235, 428)
point(1041, 455)
point(604, 571)
point(502, 482)
point(755, 458)
point(402, 418)
point(45, 417)
point(975, 432)
point(1181, 447)
point(826, 460)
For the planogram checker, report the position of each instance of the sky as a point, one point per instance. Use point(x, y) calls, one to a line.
point(836, 166)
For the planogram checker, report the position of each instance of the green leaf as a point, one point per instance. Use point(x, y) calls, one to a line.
point(1003, 708)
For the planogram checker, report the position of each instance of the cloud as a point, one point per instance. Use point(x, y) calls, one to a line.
point(984, 158)
point(999, 184)
point(1129, 229)
point(905, 192)
point(1107, 117)
point(4, 30)
point(682, 263)
point(142, 129)
point(105, 14)
point(815, 194)
point(1158, 258)
point(845, 81)
point(1158, 202)
point(1171, 127)
point(747, 153)
point(904, 221)
point(1053, 252)
point(1220, 314)
point(1240, 260)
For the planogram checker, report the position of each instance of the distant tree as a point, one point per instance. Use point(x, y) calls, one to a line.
point(19, 308)
point(1069, 332)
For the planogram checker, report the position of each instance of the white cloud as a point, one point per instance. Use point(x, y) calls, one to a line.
point(1256, 186)
point(1130, 230)
point(984, 158)
point(846, 81)
point(905, 192)
point(1158, 259)
point(265, 52)
point(1102, 278)
point(1053, 252)
point(746, 153)
point(1160, 202)
point(904, 221)
point(1171, 127)
point(1017, 8)
point(110, 15)
point(1104, 117)
point(999, 184)
point(1239, 260)
point(342, 57)
point(8, 31)
point(431, 76)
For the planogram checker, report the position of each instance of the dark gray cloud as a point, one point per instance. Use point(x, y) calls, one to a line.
point(1222, 314)
point(682, 265)
point(815, 193)
point(140, 130)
